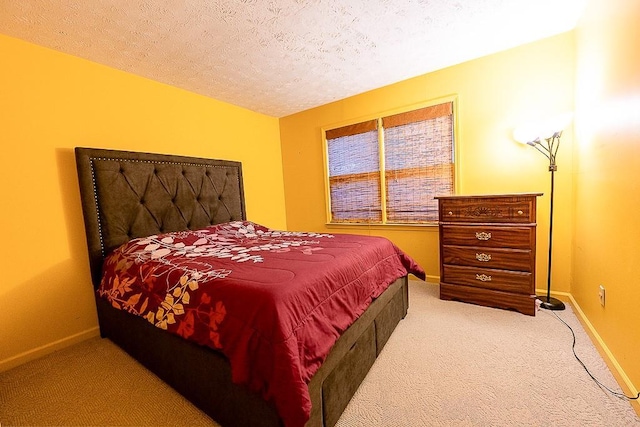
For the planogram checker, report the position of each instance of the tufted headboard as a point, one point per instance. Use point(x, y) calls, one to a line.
point(128, 194)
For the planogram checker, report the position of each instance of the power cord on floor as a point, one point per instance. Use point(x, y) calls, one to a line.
point(573, 348)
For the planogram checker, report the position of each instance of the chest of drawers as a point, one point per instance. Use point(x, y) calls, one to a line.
point(488, 250)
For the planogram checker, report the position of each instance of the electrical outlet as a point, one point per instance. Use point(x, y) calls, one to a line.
point(601, 295)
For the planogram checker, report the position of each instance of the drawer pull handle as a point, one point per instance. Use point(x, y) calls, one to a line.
point(450, 213)
point(483, 277)
point(483, 257)
point(483, 236)
point(520, 212)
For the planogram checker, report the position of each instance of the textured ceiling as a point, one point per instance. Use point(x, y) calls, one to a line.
point(280, 57)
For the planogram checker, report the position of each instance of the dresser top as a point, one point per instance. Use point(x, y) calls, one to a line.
point(487, 196)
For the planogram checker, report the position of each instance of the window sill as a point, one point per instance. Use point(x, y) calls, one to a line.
point(395, 227)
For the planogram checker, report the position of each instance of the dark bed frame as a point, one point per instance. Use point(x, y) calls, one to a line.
point(129, 194)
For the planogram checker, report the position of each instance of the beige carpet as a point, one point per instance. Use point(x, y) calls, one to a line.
point(447, 364)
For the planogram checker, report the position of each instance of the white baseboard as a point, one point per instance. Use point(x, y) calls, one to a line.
point(562, 296)
point(38, 352)
point(433, 279)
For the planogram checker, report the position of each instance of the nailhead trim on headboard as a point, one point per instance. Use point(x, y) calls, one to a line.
point(95, 198)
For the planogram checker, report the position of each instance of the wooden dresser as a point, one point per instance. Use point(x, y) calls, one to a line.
point(488, 250)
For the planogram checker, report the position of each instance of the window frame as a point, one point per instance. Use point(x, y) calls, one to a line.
point(453, 99)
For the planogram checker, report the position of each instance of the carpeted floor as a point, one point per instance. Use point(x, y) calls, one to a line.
point(447, 364)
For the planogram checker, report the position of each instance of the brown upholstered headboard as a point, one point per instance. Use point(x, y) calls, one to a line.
point(128, 194)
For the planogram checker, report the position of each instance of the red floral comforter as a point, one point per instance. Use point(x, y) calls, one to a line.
point(273, 302)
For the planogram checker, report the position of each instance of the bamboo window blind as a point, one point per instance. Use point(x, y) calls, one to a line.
point(390, 169)
point(354, 173)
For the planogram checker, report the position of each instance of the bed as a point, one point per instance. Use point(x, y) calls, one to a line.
point(134, 201)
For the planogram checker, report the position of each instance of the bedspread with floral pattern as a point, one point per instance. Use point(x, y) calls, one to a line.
point(274, 302)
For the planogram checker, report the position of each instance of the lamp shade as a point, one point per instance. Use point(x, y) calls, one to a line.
point(543, 129)
point(526, 133)
point(555, 124)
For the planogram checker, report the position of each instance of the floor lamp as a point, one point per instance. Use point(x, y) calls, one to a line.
point(549, 148)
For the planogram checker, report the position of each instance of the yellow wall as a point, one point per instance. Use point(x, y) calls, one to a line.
point(494, 95)
point(607, 177)
point(51, 102)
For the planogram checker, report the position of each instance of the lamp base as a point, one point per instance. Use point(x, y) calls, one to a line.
point(550, 303)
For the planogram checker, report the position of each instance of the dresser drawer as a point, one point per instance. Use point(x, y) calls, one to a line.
point(504, 259)
point(501, 280)
point(488, 236)
point(508, 300)
point(498, 210)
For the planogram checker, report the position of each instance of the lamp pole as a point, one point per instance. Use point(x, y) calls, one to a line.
point(550, 150)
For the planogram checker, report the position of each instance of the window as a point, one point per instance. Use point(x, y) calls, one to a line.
point(388, 170)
